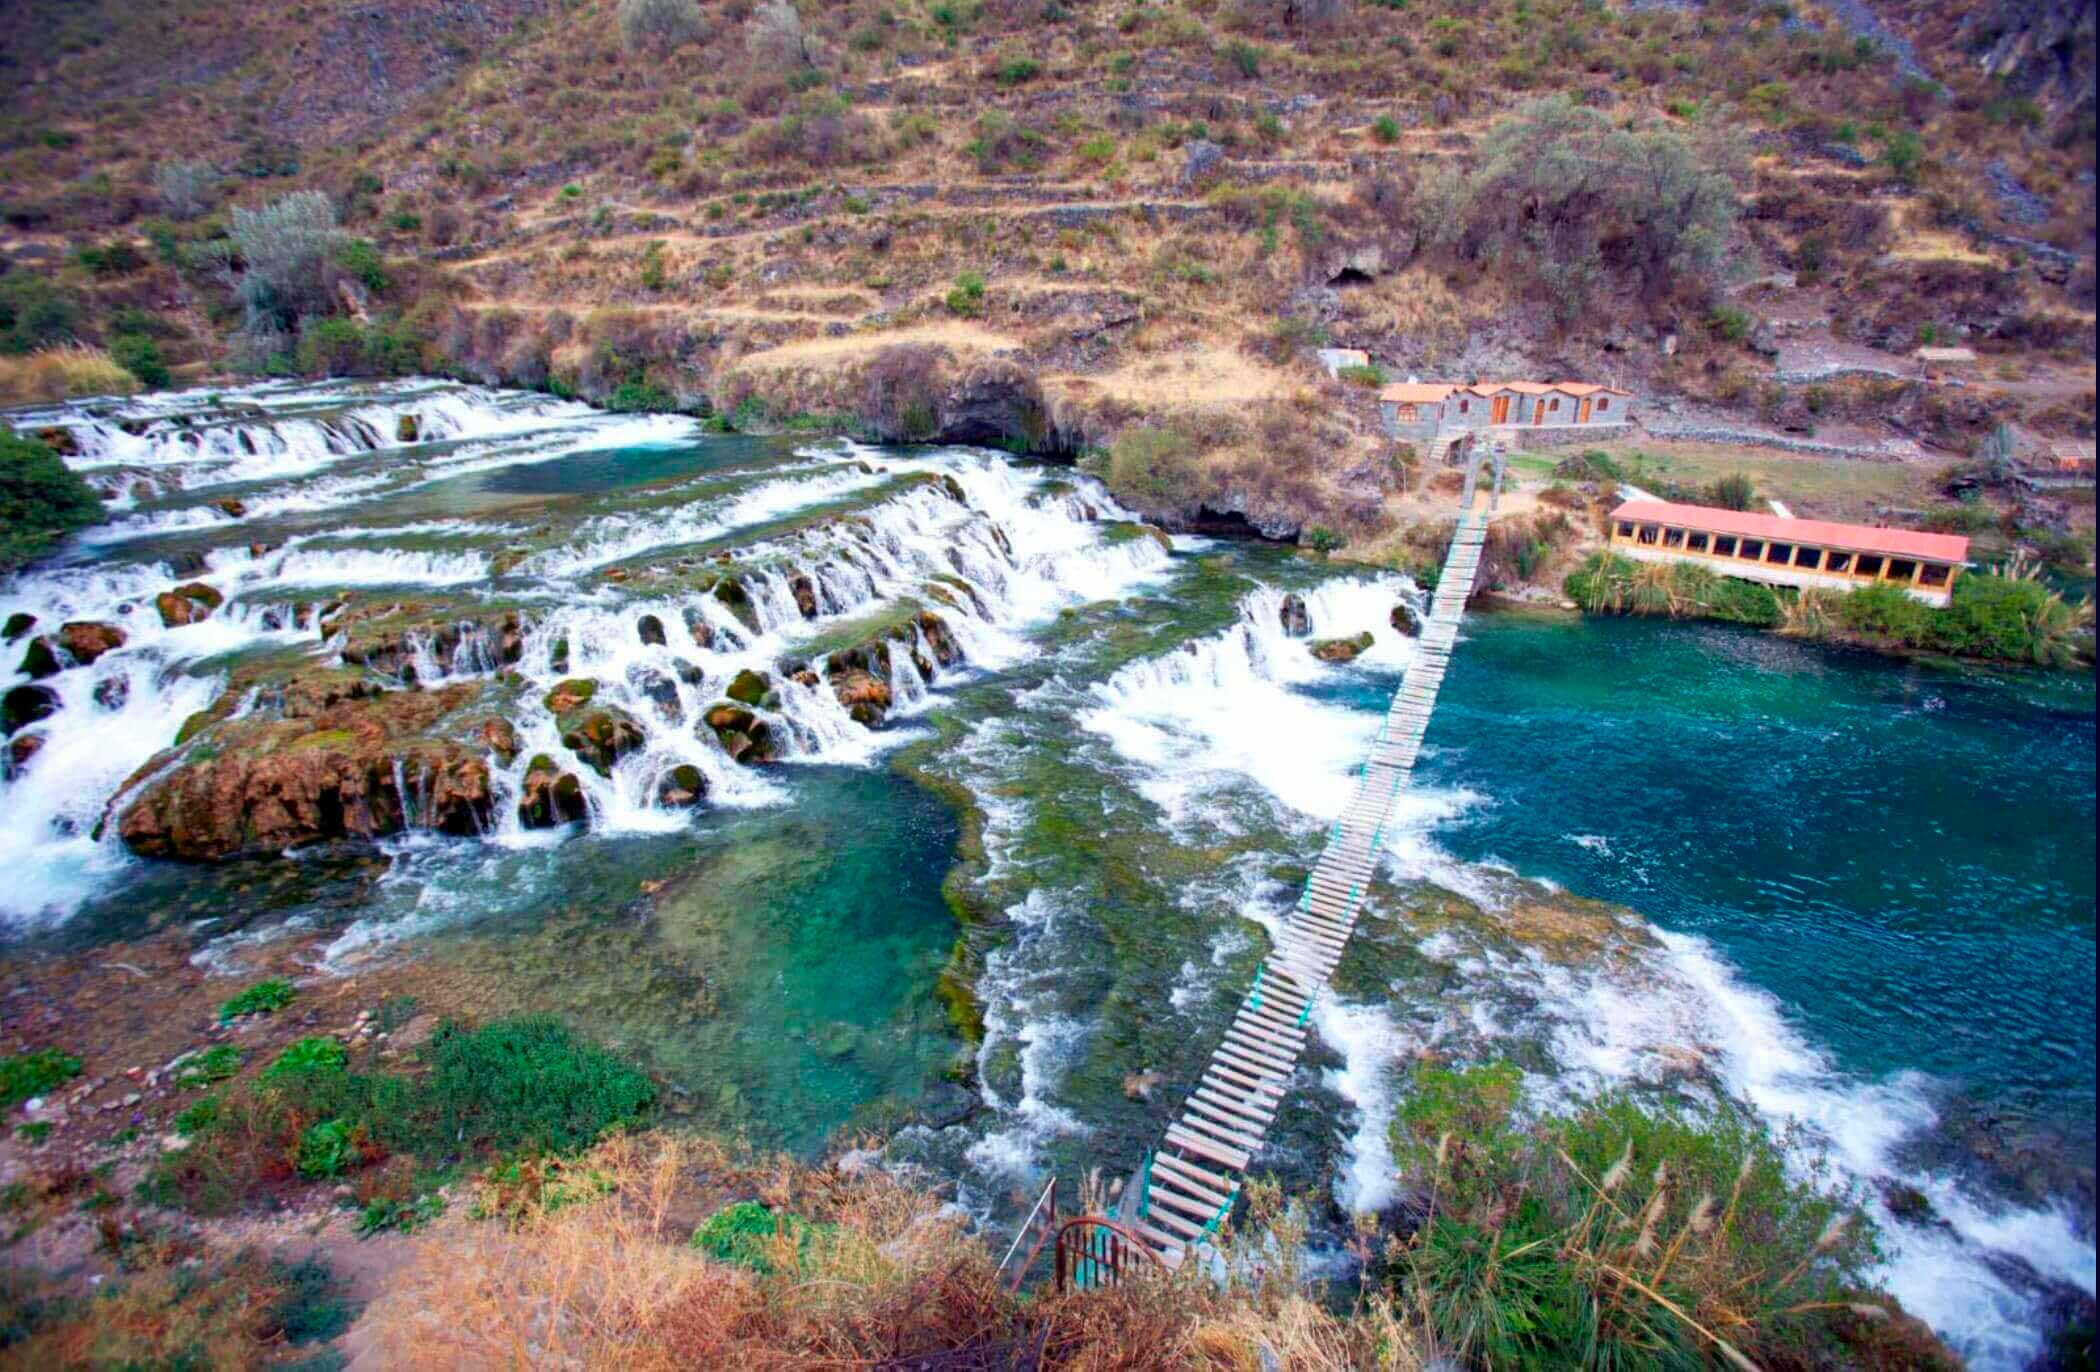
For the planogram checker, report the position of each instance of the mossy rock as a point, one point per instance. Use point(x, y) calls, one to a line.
point(730, 592)
point(1405, 620)
point(743, 735)
point(683, 785)
point(601, 737)
point(571, 695)
point(1340, 649)
point(749, 688)
point(18, 624)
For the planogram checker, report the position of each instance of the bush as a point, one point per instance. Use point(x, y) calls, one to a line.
point(118, 257)
point(967, 299)
point(904, 385)
point(186, 189)
point(1017, 69)
point(777, 36)
point(215, 1063)
point(139, 355)
point(1385, 129)
point(326, 1149)
point(1362, 374)
point(263, 998)
point(1732, 492)
point(360, 258)
point(331, 347)
point(637, 395)
point(1245, 58)
point(32, 1074)
point(1153, 467)
point(749, 1234)
point(313, 1305)
point(659, 25)
point(34, 312)
point(283, 249)
point(41, 499)
point(527, 1085)
point(1621, 1235)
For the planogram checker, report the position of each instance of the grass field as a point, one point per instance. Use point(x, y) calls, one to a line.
point(1824, 487)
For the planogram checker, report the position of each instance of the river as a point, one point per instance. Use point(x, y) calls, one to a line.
point(1864, 889)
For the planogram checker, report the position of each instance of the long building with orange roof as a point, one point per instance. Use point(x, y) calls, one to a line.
point(1782, 551)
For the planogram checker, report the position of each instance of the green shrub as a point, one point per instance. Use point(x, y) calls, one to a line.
point(34, 311)
point(640, 396)
point(1732, 492)
point(748, 1234)
point(139, 355)
point(967, 299)
point(304, 1057)
point(1245, 58)
point(326, 1149)
point(1015, 70)
point(527, 1085)
point(313, 1305)
point(215, 1063)
point(265, 997)
point(1321, 539)
point(1597, 1238)
point(655, 270)
point(1730, 323)
point(1362, 374)
point(361, 258)
point(118, 257)
point(41, 499)
point(1385, 129)
point(331, 347)
point(32, 1074)
point(1153, 467)
point(199, 1117)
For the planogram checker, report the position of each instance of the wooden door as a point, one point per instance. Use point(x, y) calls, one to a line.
point(1538, 409)
point(1500, 414)
point(1584, 417)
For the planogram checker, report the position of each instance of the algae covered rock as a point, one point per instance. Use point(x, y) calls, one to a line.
point(682, 786)
point(865, 697)
point(743, 735)
point(749, 688)
point(571, 695)
point(549, 795)
point(1340, 649)
point(601, 737)
point(187, 604)
point(1406, 620)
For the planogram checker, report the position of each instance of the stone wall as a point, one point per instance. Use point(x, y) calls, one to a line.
point(1537, 437)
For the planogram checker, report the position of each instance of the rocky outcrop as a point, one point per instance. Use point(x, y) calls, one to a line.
point(682, 786)
point(998, 404)
point(18, 624)
point(865, 697)
point(361, 769)
point(1405, 620)
point(385, 638)
point(601, 736)
point(77, 643)
point(1340, 649)
point(571, 695)
point(749, 687)
point(650, 629)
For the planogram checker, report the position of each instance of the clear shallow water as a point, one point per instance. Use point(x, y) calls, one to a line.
point(1872, 884)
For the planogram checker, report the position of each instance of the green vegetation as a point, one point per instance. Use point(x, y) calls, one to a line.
point(749, 1234)
point(317, 1053)
point(967, 299)
point(265, 997)
point(215, 1063)
point(41, 499)
point(32, 1074)
point(140, 355)
point(509, 1089)
point(1152, 466)
point(2007, 616)
point(1624, 1235)
point(34, 311)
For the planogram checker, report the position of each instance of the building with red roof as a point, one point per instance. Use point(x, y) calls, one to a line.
point(1779, 551)
point(1434, 414)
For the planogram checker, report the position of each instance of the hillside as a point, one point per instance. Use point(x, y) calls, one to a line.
point(1049, 225)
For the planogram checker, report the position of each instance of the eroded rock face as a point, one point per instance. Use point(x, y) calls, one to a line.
point(1296, 622)
point(18, 624)
point(384, 639)
point(84, 641)
point(360, 769)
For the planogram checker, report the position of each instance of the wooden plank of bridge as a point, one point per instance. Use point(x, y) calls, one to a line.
point(1226, 1115)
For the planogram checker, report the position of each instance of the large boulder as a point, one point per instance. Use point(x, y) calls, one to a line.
point(18, 624)
point(571, 695)
point(743, 735)
point(549, 795)
point(601, 736)
point(651, 630)
point(1296, 622)
point(187, 604)
point(1406, 620)
point(805, 593)
point(865, 697)
point(749, 688)
point(272, 784)
point(25, 705)
point(680, 787)
point(85, 640)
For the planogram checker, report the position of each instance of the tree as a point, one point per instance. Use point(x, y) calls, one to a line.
point(659, 25)
point(41, 499)
point(777, 36)
point(1573, 201)
point(283, 250)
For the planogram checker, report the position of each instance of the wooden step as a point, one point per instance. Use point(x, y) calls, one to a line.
point(1201, 1125)
point(1249, 1106)
point(1224, 1079)
point(1168, 1221)
point(1226, 1125)
point(1166, 1243)
point(1171, 1197)
point(1198, 1181)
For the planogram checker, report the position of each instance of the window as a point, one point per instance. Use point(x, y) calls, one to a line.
point(1695, 543)
point(1673, 538)
point(1465, 406)
point(1902, 569)
point(1407, 414)
point(1648, 533)
point(1810, 558)
point(1838, 562)
point(1724, 545)
point(1603, 403)
point(1752, 549)
point(1869, 565)
point(1935, 574)
point(1554, 403)
point(1779, 553)
point(1625, 529)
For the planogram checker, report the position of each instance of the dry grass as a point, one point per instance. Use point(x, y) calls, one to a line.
point(1199, 375)
point(63, 372)
point(611, 1282)
point(960, 335)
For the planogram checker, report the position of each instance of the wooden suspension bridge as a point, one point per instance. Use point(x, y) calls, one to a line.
point(1185, 1189)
